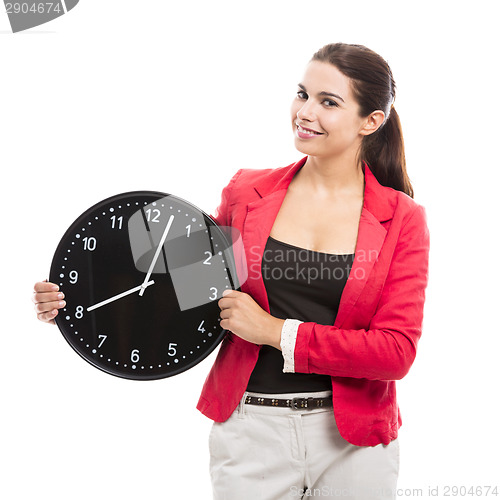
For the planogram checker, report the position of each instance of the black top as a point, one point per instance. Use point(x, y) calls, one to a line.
point(305, 285)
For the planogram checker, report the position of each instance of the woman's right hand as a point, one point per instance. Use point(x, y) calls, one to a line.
point(48, 300)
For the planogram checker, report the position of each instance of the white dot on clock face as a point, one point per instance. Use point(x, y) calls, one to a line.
point(67, 317)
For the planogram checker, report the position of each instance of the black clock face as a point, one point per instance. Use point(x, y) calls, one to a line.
point(142, 273)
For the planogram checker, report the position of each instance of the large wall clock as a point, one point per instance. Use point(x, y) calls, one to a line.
point(142, 273)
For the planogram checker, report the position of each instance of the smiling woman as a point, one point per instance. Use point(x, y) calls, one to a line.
point(303, 391)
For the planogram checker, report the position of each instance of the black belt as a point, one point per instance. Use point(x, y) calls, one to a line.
point(293, 403)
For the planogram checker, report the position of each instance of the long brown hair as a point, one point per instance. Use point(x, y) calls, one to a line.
point(374, 89)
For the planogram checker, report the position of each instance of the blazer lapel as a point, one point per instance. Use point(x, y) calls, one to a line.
point(378, 207)
point(371, 236)
point(260, 217)
point(257, 227)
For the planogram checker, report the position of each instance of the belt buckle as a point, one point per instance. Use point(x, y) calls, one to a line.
point(304, 404)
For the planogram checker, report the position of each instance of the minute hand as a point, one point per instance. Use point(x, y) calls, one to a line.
point(157, 253)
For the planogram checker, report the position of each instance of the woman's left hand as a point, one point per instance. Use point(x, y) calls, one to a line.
point(241, 315)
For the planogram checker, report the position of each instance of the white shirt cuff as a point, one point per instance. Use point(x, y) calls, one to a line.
point(287, 343)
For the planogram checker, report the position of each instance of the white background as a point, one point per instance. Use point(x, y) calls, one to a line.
point(122, 95)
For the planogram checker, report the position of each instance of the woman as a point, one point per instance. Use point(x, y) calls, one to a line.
point(302, 392)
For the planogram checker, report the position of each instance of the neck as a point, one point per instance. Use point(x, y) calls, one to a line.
point(333, 177)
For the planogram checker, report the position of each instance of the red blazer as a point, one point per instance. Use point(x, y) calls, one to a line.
point(373, 341)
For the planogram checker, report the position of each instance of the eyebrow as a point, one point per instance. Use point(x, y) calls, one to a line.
point(331, 94)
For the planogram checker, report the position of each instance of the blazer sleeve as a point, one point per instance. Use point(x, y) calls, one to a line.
point(387, 349)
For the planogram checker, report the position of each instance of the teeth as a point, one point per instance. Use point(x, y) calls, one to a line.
point(308, 132)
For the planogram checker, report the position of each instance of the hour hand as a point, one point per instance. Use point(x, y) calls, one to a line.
point(120, 295)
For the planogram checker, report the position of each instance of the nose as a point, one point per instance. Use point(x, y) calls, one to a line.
point(306, 111)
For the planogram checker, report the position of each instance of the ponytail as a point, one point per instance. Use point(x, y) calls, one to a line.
point(384, 152)
point(374, 89)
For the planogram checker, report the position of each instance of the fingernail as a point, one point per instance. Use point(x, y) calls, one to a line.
point(62, 303)
point(60, 295)
point(55, 288)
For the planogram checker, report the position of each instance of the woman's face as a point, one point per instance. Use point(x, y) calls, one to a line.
point(325, 115)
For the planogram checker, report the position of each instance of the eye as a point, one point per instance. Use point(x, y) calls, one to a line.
point(330, 104)
point(301, 95)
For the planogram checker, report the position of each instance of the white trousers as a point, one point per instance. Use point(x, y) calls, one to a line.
point(270, 453)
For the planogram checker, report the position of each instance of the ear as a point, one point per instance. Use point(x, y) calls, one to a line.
point(372, 122)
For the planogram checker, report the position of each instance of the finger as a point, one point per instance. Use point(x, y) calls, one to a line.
point(224, 314)
point(44, 307)
point(224, 324)
point(48, 317)
point(39, 297)
point(46, 286)
point(226, 303)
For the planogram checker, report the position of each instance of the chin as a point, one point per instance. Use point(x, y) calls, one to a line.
point(306, 149)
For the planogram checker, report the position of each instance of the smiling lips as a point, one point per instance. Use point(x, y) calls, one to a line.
point(306, 133)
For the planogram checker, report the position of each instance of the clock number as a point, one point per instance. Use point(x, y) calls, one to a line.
point(89, 243)
point(206, 261)
point(116, 222)
point(172, 351)
point(134, 356)
point(73, 277)
point(79, 312)
point(200, 328)
point(214, 293)
point(188, 230)
point(103, 338)
point(153, 215)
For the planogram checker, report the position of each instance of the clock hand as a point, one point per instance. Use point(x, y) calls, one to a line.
point(157, 253)
point(120, 295)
